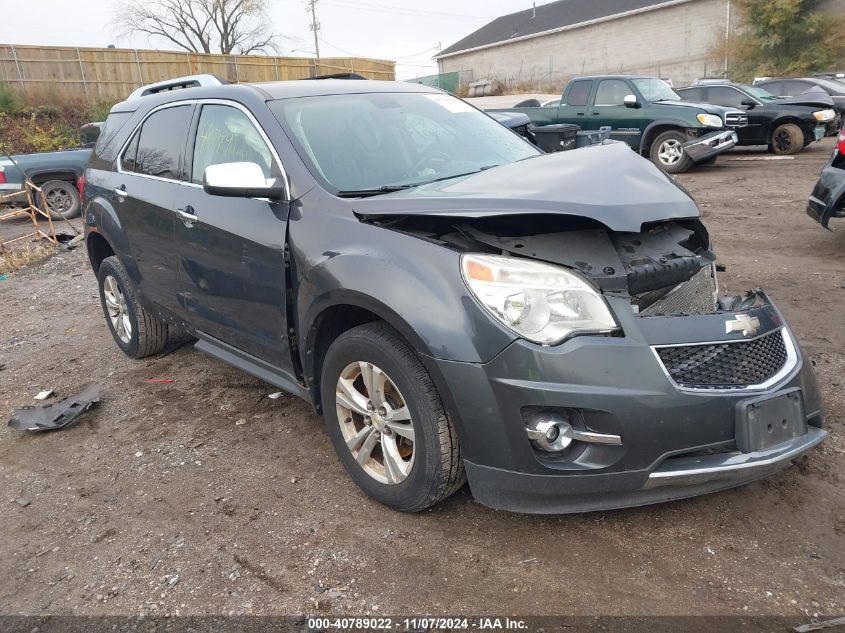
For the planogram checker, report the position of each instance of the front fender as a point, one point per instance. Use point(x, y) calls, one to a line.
point(413, 284)
point(650, 131)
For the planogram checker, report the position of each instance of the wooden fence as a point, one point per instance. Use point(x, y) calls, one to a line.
point(58, 73)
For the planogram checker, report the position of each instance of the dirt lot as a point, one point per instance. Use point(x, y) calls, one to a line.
point(204, 496)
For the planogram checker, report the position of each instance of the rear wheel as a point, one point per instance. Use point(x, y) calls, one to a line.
point(667, 152)
point(386, 421)
point(62, 199)
point(138, 333)
point(787, 139)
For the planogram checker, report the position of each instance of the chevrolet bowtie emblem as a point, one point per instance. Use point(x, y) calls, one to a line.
point(743, 323)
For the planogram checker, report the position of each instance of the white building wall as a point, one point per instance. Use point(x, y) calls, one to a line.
point(672, 42)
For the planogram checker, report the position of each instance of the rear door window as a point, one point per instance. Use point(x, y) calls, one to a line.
point(579, 93)
point(775, 87)
point(725, 96)
point(691, 94)
point(157, 148)
point(795, 88)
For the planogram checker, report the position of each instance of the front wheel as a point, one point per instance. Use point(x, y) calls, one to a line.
point(667, 152)
point(386, 421)
point(787, 139)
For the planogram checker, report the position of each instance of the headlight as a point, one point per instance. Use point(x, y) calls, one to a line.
point(825, 116)
point(540, 302)
point(710, 120)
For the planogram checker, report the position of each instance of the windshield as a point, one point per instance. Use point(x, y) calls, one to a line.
point(382, 141)
point(760, 94)
point(656, 90)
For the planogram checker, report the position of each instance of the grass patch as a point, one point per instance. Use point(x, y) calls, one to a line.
point(15, 259)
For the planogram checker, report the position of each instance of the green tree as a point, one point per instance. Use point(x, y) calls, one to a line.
point(783, 37)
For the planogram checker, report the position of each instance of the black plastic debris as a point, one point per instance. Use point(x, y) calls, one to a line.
point(69, 242)
point(58, 415)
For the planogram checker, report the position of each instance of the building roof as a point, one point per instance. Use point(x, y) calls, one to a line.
point(549, 17)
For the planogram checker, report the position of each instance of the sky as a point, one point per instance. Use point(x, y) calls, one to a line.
point(406, 31)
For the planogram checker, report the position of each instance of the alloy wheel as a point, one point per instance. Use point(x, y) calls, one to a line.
point(59, 199)
point(783, 141)
point(117, 309)
point(375, 422)
point(670, 152)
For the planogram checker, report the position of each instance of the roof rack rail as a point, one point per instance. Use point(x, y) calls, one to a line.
point(339, 76)
point(180, 83)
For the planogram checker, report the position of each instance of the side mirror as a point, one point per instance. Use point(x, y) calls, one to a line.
point(241, 180)
point(631, 101)
point(748, 103)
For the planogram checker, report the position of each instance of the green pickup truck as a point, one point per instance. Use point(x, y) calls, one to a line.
point(649, 115)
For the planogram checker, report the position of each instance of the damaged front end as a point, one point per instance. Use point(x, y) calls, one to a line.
point(668, 269)
point(634, 232)
point(634, 381)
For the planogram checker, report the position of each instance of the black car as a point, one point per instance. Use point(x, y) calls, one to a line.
point(828, 198)
point(785, 125)
point(455, 303)
point(793, 87)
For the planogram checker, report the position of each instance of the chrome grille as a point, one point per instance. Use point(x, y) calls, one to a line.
point(736, 119)
point(725, 365)
point(695, 296)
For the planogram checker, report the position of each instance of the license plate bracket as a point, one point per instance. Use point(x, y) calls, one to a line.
point(769, 420)
point(819, 132)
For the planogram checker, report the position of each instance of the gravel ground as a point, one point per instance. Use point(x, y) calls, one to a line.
point(204, 496)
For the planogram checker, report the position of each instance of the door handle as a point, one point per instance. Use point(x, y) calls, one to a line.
point(187, 215)
point(580, 113)
point(120, 191)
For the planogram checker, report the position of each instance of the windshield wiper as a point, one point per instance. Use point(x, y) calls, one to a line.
point(469, 173)
point(363, 193)
point(377, 191)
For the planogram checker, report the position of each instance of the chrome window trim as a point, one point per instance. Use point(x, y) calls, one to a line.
point(200, 102)
point(788, 367)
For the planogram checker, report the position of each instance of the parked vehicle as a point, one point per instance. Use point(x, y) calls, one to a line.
point(828, 198)
point(836, 75)
point(793, 87)
point(649, 115)
point(515, 121)
point(57, 173)
point(786, 125)
point(454, 302)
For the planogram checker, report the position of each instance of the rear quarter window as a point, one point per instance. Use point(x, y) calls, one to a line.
point(104, 148)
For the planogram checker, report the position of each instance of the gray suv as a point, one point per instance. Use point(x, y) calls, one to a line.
point(455, 303)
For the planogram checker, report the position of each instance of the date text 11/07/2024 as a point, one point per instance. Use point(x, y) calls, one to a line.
point(417, 624)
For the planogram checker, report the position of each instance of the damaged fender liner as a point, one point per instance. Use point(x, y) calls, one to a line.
point(58, 415)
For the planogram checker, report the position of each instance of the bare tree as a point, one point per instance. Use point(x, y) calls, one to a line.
point(201, 26)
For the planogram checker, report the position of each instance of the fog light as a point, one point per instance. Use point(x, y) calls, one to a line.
point(551, 432)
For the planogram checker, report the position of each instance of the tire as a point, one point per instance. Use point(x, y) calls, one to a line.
point(135, 330)
point(63, 195)
point(787, 139)
point(426, 470)
point(666, 153)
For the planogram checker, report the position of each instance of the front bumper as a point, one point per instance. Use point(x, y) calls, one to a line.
point(828, 197)
point(676, 443)
point(710, 145)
